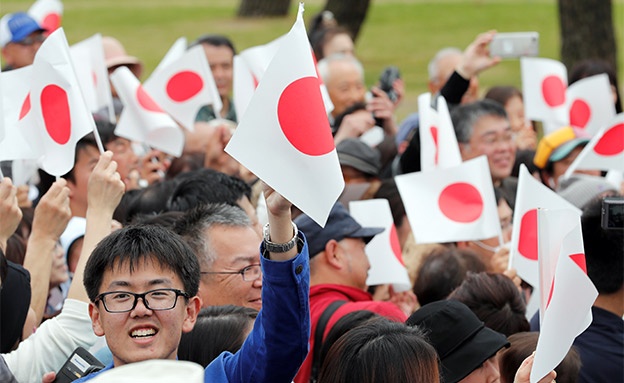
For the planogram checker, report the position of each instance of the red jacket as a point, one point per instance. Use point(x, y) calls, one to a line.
point(322, 296)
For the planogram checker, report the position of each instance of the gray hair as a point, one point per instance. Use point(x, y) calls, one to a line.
point(323, 65)
point(194, 227)
point(433, 67)
point(465, 117)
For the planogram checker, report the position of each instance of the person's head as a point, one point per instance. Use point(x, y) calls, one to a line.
point(381, 351)
point(522, 345)
point(218, 329)
point(344, 77)
point(20, 39)
point(138, 202)
point(442, 66)
point(226, 245)
point(358, 161)
point(582, 189)
point(556, 151)
point(495, 300)
point(511, 99)
point(332, 40)
point(220, 54)
point(442, 271)
point(337, 251)
point(466, 347)
point(154, 262)
point(86, 157)
point(591, 67)
point(482, 128)
point(123, 154)
point(603, 251)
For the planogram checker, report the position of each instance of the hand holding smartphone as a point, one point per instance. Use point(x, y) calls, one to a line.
point(515, 45)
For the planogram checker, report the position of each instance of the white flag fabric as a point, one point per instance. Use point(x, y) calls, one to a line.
point(92, 75)
point(244, 84)
point(175, 52)
point(383, 251)
point(530, 196)
point(47, 13)
point(14, 91)
point(184, 86)
point(438, 143)
point(567, 308)
point(58, 116)
point(590, 104)
point(544, 84)
point(2, 129)
point(284, 136)
point(142, 119)
point(605, 151)
point(452, 204)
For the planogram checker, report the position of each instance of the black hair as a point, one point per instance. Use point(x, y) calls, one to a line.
point(166, 220)
point(465, 117)
point(214, 40)
point(218, 329)
point(130, 246)
point(381, 351)
point(604, 250)
point(389, 191)
point(152, 199)
point(502, 94)
point(524, 157)
point(320, 37)
point(4, 267)
point(106, 129)
point(82, 144)
point(495, 300)
point(353, 108)
point(207, 186)
point(185, 163)
point(410, 158)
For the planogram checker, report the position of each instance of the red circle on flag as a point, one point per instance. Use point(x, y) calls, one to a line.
point(51, 22)
point(580, 113)
point(146, 101)
point(434, 134)
point(184, 85)
point(25, 107)
point(612, 142)
point(302, 117)
point(553, 91)
point(56, 115)
point(527, 243)
point(461, 202)
point(395, 245)
point(94, 78)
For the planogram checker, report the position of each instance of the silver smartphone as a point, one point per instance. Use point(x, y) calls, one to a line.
point(515, 44)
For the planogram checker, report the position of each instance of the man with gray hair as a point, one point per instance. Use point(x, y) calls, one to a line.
point(226, 245)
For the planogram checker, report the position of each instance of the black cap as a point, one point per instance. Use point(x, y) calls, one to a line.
point(461, 340)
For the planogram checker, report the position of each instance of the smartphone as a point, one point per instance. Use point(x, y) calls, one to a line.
point(515, 44)
point(80, 363)
point(613, 213)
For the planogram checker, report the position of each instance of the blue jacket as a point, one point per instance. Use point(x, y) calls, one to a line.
point(278, 343)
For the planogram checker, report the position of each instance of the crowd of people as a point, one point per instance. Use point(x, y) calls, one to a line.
point(136, 257)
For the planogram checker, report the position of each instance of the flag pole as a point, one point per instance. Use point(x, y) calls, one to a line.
point(98, 140)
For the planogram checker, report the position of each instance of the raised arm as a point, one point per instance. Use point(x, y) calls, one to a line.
point(10, 213)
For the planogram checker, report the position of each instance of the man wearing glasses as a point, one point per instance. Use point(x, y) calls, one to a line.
point(142, 282)
point(226, 245)
point(20, 38)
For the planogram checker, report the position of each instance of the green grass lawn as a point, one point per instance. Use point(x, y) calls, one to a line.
point(400, 32)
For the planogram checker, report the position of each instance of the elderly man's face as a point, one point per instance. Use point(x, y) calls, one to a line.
point(493, 137)
point(22, 53)
point(236, 248)
point(345, 86)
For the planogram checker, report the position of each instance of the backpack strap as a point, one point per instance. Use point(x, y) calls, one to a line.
point(318, 337)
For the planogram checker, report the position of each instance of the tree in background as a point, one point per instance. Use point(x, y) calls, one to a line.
point(586, 31)
point(262, 8)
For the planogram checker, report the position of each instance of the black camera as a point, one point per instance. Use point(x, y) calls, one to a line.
point(389, 75)
point(613, 213)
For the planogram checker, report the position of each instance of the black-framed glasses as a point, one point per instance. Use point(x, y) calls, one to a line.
point(124, 301)
point(249, 273)
point(30, 40)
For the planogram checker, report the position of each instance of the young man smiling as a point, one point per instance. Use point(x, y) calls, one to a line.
point(142, 282)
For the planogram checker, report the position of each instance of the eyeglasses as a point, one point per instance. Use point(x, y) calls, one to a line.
point(249, 273)
point(30, 40)
point(155, 300)
point(505, 138)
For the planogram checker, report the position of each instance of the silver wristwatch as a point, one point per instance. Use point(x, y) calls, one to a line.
point(273, 247)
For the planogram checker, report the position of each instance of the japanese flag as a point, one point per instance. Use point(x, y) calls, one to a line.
point(2, 128)
point(142, 119)
point(384, 250)
point(544, 84)
point(47, 13)
point(568, 293)
point(438, 143)
point(284, 136)
point(55, 115)
point(451, 204)
point(175, 52)
point(184, 86)
point(530, 196)
point(590, 104)
point(244, 84)
point(92, 75)
point(15, 96)
point(605, 151)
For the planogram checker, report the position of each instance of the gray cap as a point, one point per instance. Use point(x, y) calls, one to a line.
point(355, 153)
point(580, 189)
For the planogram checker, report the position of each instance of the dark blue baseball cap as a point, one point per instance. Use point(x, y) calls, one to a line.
point(15, 27)
point(340, 225)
